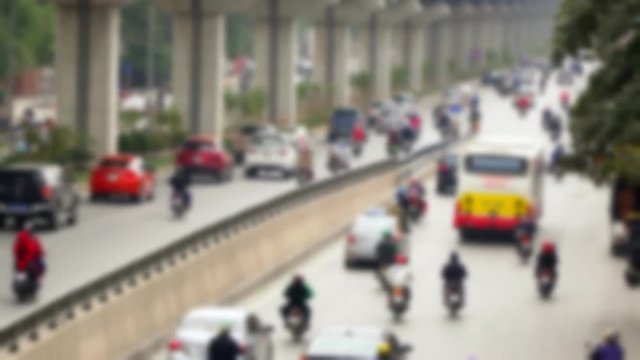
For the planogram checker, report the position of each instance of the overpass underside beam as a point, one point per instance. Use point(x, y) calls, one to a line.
point(87, 57)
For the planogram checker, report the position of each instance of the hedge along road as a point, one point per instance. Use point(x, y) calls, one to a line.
point(109, 236)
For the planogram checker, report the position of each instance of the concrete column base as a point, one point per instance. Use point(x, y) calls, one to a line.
point(201, 107)
point(275, 68)
point(100, 95)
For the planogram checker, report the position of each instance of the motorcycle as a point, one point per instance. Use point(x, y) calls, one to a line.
point(357, 149)
point(546, 283)
point(415, 209)
point(304, 176)
point(296, 323)
point(337, 162)
point(25, 287)
point(180, 203)
point(381, 275)
point(525, 248)
point(453, 298)
point(398, 302)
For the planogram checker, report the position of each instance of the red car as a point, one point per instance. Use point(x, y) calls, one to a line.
point(202, 155)
point(122, 175)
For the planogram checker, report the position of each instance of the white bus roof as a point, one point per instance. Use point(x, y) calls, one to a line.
point(506, 146)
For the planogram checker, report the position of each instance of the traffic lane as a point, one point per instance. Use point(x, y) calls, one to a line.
point(504, 317)
point(109, 236)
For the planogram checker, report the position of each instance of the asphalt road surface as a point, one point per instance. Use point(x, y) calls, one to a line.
point(109, 236)
point(504, 317)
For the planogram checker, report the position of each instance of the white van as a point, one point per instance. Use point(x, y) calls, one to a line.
point(365, 235)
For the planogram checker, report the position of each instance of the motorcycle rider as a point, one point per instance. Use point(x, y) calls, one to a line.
point(339, 153)
point(610, 348)
point(454, 273)
point(384, 352)
point(556, 157)
point(224, 346)
point(305, 160)
point(399, 274)
point(387, 250)
point(180, 182)
point(416, 192)
point(28, 254)
point(527, 227)
point(547, 260)
point(298, 293)
point(547, 118)
point(565, 98)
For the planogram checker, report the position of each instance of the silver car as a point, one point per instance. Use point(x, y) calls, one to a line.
point(191, 339)
point(365, 235)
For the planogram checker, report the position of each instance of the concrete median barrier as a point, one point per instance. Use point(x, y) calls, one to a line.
point(151, 302)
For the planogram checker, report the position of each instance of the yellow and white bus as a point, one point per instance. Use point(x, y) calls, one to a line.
point(500, 183)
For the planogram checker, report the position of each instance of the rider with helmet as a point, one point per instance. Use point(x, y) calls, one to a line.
point(547, 259)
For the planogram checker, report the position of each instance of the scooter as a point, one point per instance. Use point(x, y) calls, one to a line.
point(180, 203)
point(415, 210)
point(398, 302)
point(304, 176)
point(546, 283)
point(296, 323)
point(525, 247)
point(453, 298)
point(357, 149)
point(25, 287)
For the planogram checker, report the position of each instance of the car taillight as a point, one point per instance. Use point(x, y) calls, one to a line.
point(175, 345)
point(47, 192)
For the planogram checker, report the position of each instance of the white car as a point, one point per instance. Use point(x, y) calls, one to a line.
point(343, 343)
point(273, 152)
point(366, 233)
point(191, 339)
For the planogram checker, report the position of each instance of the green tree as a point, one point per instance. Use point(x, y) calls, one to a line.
point(606, 119)
point(33, 34)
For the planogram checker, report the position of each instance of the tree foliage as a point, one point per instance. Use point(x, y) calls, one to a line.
point(606, 119)
point(33, 34)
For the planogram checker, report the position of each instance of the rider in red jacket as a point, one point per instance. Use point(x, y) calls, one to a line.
point(359, 134)
point(28, 252)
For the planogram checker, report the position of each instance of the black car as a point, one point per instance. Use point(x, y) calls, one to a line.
point(447, 176)
point(506, 85)
point(493, 77)
point(37, 192)
point(342, 123)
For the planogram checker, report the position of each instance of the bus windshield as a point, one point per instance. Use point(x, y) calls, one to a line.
point(500, 165)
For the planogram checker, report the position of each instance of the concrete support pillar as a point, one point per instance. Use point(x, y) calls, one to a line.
point(333, 51)
point(416, 56)
point(380, 61)
point(443, 38)
point(87, 57)
point(398, 45)
point(276, 55)
point(478, 53)
point(198, 63)
point(360, 49)
point(341, 84)
point(320, 53)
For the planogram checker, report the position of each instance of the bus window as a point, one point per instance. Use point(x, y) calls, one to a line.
point(500, 165)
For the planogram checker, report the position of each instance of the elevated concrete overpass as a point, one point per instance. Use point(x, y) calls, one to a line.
point(88, 47)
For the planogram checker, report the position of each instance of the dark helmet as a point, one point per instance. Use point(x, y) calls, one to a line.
point(454, 258)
